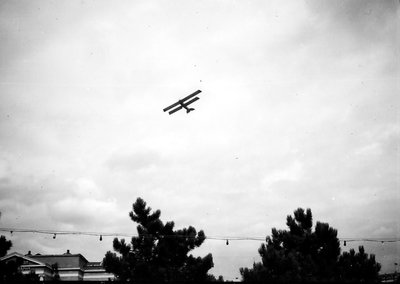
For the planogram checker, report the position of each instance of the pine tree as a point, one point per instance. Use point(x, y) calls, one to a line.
point(5, 245)
point(303, 255)
point(358, 266)
point(158, 253)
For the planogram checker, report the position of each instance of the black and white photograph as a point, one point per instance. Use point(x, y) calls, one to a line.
point(200, 141)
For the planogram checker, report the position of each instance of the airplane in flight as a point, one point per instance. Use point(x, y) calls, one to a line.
point(183, 103)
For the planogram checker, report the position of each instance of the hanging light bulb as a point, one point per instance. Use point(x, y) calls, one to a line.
point(101, 237)
point(54, 236)
point(227, 242)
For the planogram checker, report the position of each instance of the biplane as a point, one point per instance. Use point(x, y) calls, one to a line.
point(183, 103)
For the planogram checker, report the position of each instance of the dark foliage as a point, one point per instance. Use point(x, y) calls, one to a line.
point(4, 246)
point(302, 255)
point(159, 253)
point(358, 266)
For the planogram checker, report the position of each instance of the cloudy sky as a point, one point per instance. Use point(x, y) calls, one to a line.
point(298, 109)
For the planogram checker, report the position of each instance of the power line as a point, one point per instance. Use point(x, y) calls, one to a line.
point(218, 238)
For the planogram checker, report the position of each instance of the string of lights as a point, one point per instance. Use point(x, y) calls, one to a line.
point(217, 238)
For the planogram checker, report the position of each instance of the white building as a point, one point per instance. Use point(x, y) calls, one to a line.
point(69, 267)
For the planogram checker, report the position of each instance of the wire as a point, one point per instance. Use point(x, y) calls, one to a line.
point(218, 238)
point(376, 240)
point(52, 232)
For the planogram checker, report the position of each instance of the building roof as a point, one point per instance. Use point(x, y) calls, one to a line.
point(65, 260)
point(26, 260)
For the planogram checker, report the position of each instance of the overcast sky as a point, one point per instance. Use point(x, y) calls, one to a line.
point(299, 108)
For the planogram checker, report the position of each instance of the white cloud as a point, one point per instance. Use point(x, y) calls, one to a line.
point(371, 149)
point(79, 213)
point(292, 173)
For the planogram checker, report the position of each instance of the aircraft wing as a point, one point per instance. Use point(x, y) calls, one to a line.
point(182, 100)
point(175, 110)
point(190, 96)
point(191, 101)
point(184, 105)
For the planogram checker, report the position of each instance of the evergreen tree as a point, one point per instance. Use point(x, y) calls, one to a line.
point(5, 269)
point(303, 255)
point(358, 266)
point(159, 253)
point(4, 246)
